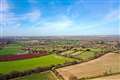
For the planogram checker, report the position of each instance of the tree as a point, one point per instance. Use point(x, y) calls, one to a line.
point(87, 49)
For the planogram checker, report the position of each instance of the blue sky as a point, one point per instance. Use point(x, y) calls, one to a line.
point(59, 17)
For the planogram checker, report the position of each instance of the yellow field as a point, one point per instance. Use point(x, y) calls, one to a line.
point(113, 77)
point(107, 64)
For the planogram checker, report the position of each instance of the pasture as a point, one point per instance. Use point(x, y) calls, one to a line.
point(59, 52)
point(11, 49)
point(48, 75)
point(107, 64)
point(84, 54)
point(44, 61)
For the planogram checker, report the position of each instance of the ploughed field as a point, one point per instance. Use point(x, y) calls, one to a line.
point(107, 64)
point(43, 61)
point(48, 75)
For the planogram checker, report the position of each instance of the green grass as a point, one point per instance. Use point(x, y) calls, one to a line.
point(77, 53)
point(95, 49)
point(11, 49)
point(86, 55)
point(89, 54)
point(67, 52)
point(39, 76)
point(20, 65)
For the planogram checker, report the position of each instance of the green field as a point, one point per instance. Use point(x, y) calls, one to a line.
point(89, 54)
point(86, 55)
point(38, 76)
point(11, 49)
point(20, 65)
point(67, 52)
point(83, 53)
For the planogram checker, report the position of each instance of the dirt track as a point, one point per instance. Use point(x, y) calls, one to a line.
point(109, 63)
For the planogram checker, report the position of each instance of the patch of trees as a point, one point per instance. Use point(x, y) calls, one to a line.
point(87, 49)
point(117, 45)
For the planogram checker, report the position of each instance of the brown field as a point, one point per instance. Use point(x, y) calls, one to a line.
point(107, 64)
point(113, 77)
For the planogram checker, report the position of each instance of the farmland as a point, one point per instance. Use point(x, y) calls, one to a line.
point(59, 39)
point(112, 77)
point(38, 76)
point(82, 53)
point(37, 58)
point(11, 49)
point(21, 65)
point(106, 64)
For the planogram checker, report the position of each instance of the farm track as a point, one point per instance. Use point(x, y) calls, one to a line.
point(109, 63)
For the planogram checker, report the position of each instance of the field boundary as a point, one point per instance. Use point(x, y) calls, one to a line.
point(57, 74)
point(54, 75)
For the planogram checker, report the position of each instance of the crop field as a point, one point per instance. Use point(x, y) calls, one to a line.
point(55, 59)
point(67, 52)
point(83, 53)
point(86, 55)
point(59, 40)
point(11, 49)
point(22, 56)
point(112, 77)
point(107, 64)
point(44, 61)
point(48, 75)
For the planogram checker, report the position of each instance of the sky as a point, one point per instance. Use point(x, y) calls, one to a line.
point(59, 17)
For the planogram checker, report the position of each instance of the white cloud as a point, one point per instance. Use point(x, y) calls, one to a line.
point(107, 19)
point(10, 24)
point(50, 27)
point(114, 15)
point(4, 6)
point(6, 17)
point(32, 16)
point(58, 25)
point(13, 30)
